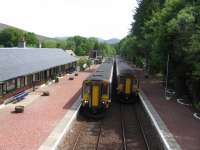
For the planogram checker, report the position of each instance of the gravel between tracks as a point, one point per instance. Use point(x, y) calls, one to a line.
point(106, 134)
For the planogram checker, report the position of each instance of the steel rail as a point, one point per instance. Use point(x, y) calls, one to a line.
point(122, 127)
point(140, 125)
point(76, 142)
point(99, 135)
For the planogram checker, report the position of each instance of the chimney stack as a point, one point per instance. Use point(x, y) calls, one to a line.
point(22, 43)
point(40, 45)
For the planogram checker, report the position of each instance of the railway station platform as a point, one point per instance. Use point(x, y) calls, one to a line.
point(30, 129)
point(177, 118)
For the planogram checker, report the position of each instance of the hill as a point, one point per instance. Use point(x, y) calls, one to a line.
point(40, 37)
point(112, 41)
point(109, 41)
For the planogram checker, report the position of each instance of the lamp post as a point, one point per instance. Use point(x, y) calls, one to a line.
point(167, 74)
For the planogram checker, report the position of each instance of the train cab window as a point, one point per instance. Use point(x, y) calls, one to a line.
point(86, 89)
point(135, 83)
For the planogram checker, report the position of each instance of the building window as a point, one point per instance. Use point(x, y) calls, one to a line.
point(1, 89)
point(10, 85)
point(63, 68)
point(29, 79)
point(57, 70)
point(42, 75)
point(4, 89)
point(37, 77)
point(22, 82)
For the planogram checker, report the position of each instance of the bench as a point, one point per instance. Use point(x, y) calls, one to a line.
point(20, 96)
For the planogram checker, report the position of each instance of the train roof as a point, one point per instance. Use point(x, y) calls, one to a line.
point(123, 68)
point(104, 72)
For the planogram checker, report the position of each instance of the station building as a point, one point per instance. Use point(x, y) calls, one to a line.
point(23, 68)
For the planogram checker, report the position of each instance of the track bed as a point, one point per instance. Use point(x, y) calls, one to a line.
point(119, 130)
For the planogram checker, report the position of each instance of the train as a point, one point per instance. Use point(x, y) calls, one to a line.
point(97, 90)
point(127, 82)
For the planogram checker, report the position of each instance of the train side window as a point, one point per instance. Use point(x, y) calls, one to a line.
point(104, 89)
point(135, 83)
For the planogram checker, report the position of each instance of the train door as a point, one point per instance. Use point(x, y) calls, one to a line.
point(95, 95)
point(128, 86)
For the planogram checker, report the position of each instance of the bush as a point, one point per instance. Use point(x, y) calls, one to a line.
point(197, 105)
point(83, 62)
point(88, 62)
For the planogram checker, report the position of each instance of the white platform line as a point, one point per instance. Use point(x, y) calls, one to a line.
point(166, 136)
point(58, 134)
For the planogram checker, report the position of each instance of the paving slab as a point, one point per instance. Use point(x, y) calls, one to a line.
point(178, 118)
point(28, 130)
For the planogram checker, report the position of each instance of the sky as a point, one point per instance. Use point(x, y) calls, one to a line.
point(57, 18)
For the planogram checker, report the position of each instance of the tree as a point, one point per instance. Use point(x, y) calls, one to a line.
point(49, 44)
point(31, 39)
point(171, 27)
point(9, 37)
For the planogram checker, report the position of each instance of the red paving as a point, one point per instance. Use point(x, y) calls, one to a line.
point(27, 131)
point(178, 118)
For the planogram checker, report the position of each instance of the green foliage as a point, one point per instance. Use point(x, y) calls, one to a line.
point(83, 61)
point(163, 27)
point(81, 46)
point(31, 39)
point(9, 37)
point(197, 104)
point(106, 49)
point(129, 48)
point(61, 44)
point(49, 44)
point(89, 62)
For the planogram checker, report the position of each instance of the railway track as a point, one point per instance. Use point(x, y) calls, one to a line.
point(123, 127)
point(119, 130)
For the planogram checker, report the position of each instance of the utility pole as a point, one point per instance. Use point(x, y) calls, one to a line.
point(167, 74)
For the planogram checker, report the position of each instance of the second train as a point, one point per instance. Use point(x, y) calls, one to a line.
point(97, 88)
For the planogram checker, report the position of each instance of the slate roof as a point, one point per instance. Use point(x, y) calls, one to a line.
point(123, 68)
point(104, 71)
point(15, 62)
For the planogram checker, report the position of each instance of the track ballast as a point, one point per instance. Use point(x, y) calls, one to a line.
point(119, 130)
